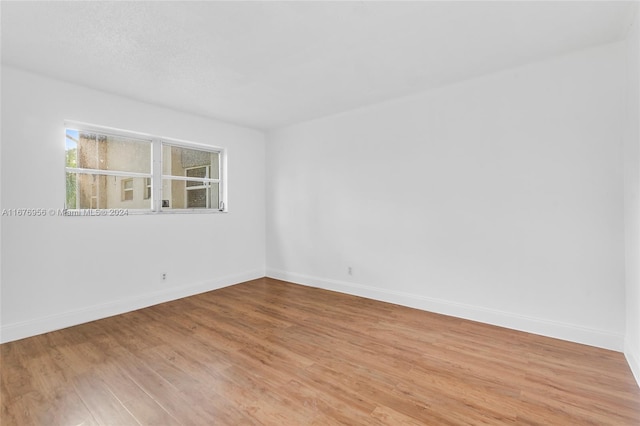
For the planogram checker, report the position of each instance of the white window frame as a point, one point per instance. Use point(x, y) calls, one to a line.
point(156, 175)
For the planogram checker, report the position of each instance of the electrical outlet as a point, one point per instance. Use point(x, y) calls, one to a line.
point(350, 270)
point(164, 276)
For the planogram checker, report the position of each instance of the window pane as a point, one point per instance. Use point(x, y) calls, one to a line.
point(197, 198)
point(178, 161)
point(180, 194)
point(90, 191)
point(214, 195)
point(94, 151)
point(72, 179)
point(71, 148)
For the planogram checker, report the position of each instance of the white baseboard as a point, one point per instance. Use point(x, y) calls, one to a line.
point(558, 330)
point(564, 331)
point(634, 363)
point(21, 330)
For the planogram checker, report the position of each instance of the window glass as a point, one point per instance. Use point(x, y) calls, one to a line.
point(184, 194)
point(104, 152)
point(183, 163)
point(181, 159)
point(93, 191)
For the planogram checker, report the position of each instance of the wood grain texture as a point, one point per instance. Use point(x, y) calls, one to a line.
point(275, 353)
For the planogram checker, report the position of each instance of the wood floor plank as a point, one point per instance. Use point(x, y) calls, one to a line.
point(199, 383)
point(139, 403)
point(267, 352)
point(386, 415)
point(259, 398)
point(105, 407)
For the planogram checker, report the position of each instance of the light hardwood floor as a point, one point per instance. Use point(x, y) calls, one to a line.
point(270, 352)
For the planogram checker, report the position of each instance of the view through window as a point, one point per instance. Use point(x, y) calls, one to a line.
point(109, 170)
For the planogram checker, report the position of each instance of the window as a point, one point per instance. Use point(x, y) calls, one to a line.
point(114, 169)
point(147, 188)
point(127, 189)
point(190, 177)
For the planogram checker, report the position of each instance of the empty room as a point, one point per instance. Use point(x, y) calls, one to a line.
point(292, 213)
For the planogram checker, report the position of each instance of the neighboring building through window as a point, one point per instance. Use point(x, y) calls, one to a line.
point(113, 169)
point(147, 188)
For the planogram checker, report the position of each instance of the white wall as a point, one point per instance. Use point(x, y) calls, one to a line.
point(632, 200)
point(498, 199)
point(58, 271)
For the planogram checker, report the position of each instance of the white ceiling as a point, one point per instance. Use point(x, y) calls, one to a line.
point(268, 64)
